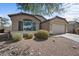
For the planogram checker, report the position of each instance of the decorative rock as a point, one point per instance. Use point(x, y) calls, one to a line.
point(74, 47)
point(53, 40)
point(39, 53)
point(31, 53)
point(32, 50)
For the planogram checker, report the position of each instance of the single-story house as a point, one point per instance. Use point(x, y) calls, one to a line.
point(29, 22)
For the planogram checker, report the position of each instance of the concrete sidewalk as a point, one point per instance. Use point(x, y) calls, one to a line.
point(74, 37)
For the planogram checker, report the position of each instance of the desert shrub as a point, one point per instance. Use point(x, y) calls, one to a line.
point(77, 30)
point(28, 36)
point(16, 37)
point(41, 35)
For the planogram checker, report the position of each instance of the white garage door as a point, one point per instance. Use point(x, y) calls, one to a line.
point(58, 29)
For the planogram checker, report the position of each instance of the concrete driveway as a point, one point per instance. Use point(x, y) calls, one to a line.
point(74, 37)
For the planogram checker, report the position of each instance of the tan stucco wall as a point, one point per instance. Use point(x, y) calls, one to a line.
point(17, 18)
point(47, 25)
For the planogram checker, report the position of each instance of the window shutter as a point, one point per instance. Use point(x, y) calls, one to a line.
point(20, 26)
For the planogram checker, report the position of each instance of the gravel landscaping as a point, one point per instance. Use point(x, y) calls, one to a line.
point(54, 46)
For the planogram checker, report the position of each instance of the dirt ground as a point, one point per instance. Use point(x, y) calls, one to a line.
point(54, 46)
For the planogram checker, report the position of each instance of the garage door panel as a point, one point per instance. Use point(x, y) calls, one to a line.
point(58, 29)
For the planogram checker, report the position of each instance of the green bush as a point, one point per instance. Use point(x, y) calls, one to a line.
point(41, 34)
point(28, 36)
point(16, 37)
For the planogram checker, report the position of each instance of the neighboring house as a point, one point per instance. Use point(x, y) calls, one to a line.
point(28, 22)
point(72, 26)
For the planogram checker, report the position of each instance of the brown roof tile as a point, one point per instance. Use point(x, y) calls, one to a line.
point(21, 13)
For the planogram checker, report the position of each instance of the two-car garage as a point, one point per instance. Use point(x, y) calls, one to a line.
point(55, 25)
point(58, 28)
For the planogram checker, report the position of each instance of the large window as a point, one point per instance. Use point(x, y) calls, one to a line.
point(29, 25)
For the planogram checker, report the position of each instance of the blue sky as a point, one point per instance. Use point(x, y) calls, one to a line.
point(10, 8)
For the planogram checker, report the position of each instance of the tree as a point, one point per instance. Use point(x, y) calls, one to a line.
point(4, 22)
point(41, 8)
point(76, 19)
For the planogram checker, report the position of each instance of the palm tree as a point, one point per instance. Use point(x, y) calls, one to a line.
point(40, 8)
